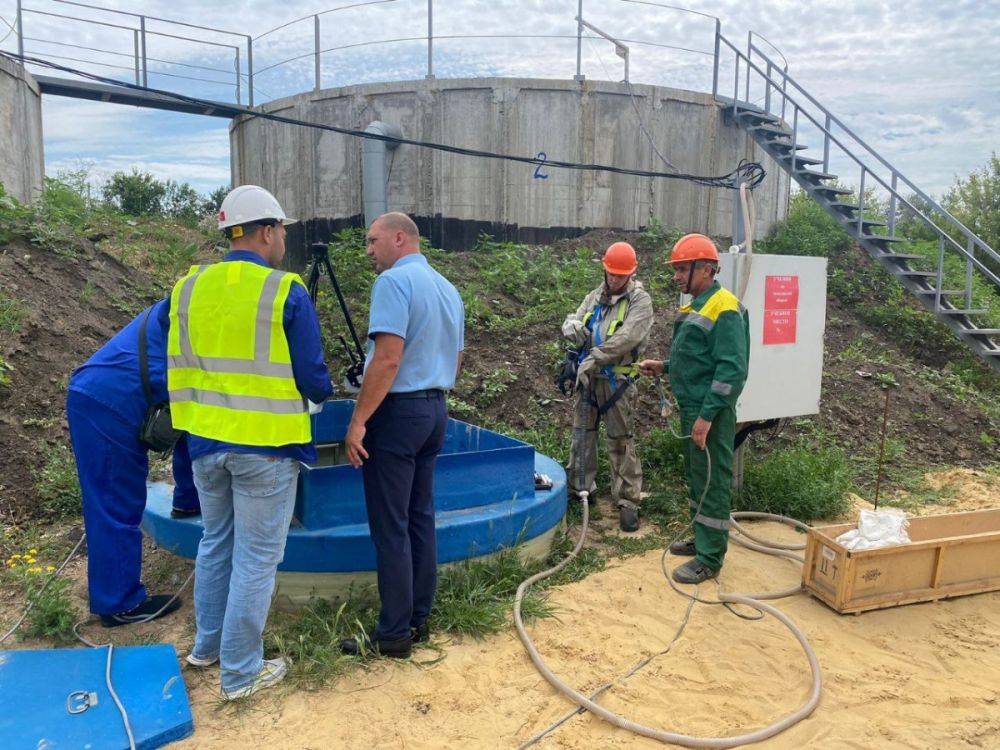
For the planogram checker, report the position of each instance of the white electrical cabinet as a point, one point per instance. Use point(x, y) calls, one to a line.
point(786, 300)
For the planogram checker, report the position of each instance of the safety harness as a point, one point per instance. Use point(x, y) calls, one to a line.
point(628, 373)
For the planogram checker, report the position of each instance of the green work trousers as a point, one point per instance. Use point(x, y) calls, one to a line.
point(711, 522)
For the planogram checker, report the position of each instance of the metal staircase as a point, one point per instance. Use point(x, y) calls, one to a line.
point(784, 101)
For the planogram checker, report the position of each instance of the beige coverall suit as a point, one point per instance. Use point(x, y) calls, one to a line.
point(623, 347)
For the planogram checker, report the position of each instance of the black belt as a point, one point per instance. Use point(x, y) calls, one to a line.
point(429, 393)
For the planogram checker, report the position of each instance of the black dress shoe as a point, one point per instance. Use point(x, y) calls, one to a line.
point(397, 649)
point(184, 512)
point(148, 610)
point(420, 634)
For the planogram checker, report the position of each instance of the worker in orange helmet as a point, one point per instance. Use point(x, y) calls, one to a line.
point(709, 358)
point(610, 327)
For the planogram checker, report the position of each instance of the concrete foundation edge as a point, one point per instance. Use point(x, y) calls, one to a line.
point(294, 590)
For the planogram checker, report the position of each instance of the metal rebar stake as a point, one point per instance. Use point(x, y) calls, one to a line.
point(881, 450)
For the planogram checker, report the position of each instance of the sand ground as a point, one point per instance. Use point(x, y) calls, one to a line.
point(921, 676)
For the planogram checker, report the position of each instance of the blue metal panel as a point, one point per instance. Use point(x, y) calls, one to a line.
point(334, 495)
point(476, 467)
point(348, 548)
point(35, 685)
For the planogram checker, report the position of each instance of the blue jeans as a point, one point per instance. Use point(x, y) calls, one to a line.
point(246, 507)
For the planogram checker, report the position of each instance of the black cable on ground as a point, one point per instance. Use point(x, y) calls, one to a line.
point(750, 173)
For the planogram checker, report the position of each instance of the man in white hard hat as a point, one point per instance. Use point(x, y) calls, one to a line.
point(243, 356)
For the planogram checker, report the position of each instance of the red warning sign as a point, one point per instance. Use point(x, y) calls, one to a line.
point(781, 309)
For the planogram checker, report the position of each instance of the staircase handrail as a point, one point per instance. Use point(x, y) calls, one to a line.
point(916, 189)
point(941, 233)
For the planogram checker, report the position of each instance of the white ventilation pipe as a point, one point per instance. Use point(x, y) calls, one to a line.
point(375, 170)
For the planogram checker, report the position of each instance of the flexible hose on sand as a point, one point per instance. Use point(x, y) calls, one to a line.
point(725, 598)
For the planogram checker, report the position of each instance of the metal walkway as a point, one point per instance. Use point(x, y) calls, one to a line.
point(120, 95)
point(785, 100)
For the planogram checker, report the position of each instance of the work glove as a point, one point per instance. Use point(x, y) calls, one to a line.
point(574, 330)
point(584, 371)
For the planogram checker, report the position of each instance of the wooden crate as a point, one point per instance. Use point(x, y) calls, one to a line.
point(949, 555)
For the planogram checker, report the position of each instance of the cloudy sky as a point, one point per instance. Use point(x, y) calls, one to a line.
point(918, 80)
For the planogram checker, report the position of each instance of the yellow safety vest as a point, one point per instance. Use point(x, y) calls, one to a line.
point(229, 373)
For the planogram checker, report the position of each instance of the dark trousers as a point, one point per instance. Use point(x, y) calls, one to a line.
point(112, 467)
point(403, 438)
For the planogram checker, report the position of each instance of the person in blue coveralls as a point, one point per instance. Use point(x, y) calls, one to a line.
point(416, 338)
point(105, 407)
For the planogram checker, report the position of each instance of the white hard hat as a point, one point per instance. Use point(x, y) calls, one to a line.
point(249, 203)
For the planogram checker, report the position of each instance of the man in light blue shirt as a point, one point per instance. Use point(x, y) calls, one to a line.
point(416, 338)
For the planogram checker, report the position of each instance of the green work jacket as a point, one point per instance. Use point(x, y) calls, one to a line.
point(710, 353)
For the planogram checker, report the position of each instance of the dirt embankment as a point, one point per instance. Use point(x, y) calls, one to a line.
point(70, 305)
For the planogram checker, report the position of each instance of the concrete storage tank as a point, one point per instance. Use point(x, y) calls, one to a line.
point(453, 198)
point(21, 151)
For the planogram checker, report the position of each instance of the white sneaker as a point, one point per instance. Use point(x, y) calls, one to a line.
point(197, 661)
point(273, 672)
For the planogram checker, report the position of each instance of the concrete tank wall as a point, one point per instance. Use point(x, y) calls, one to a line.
point(317, 174)
point(22, 163)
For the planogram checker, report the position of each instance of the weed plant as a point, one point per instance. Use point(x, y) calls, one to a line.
point(57, 484)
point(802, 482)
point(52, 613)
point(12, 314)
point(312, 636)
point(474, 598)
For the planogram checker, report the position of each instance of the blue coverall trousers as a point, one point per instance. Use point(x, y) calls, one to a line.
point(112, 465)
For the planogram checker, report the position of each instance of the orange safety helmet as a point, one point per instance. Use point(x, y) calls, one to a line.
point(694, 247)
point(619, 259)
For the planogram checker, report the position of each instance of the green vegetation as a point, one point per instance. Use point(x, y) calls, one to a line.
point(162, 238)
point(800, 482)
point(5, 370)
point(57, 484)
point(52, 613)
point(312, 636)
point(138, 193)
point(975, 201)
point(12, 313)
point(473, 598)
point(51, 608)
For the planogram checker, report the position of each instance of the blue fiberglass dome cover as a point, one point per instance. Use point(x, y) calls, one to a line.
point(484, 500)
point(476, 467)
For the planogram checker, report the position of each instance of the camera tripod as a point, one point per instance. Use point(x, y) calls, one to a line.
point(319, 261)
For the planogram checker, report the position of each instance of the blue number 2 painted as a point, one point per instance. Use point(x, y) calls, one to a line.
point(538, 170)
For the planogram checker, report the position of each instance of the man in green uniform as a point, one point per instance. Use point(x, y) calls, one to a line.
point(611, 326)
point(708, 365)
